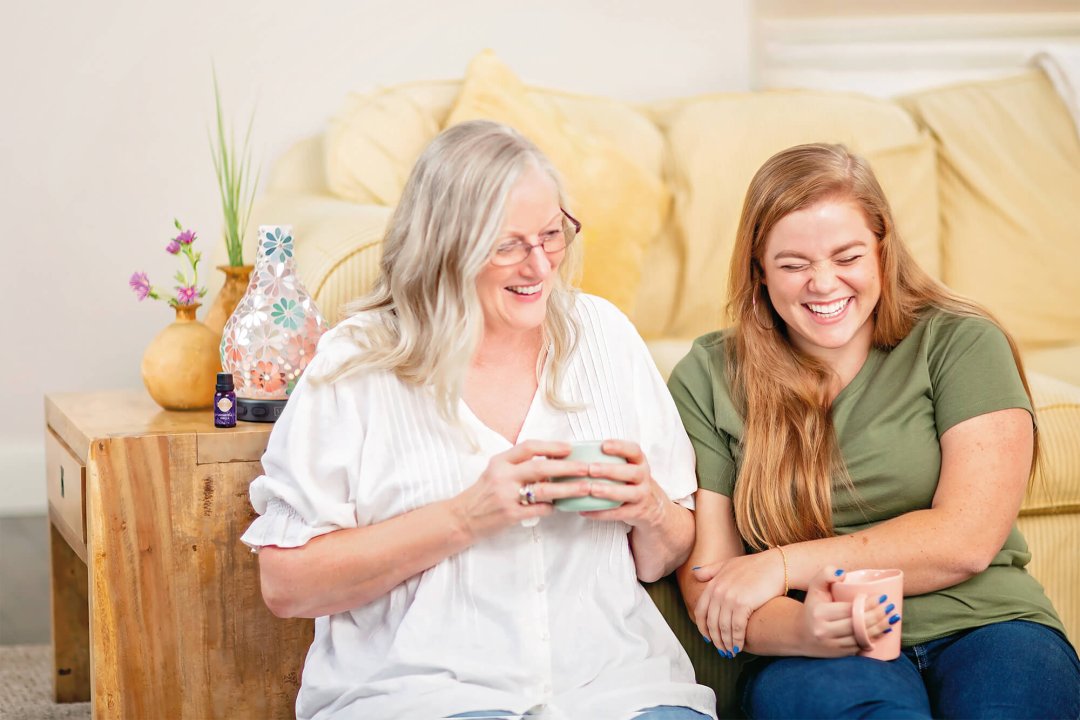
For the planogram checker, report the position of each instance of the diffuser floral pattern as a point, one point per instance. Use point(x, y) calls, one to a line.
point(271, 336)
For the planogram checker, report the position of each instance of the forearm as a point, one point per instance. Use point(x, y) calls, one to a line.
point(660, 547)
point(984, 469)
point(934, 551)
point(349, 568)
point(776, 629)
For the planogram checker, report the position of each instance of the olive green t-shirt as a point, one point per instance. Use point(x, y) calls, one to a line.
point(888, 421)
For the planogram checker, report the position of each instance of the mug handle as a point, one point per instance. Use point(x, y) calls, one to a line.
point(858, 622)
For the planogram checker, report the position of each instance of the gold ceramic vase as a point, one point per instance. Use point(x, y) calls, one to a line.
point(237, 278)
point(180, 365)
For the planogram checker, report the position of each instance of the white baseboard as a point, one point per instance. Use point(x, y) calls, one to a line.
point(22, 468)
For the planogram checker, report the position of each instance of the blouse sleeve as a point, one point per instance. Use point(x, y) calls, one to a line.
point(660, 433)
point(692, 386)
point(304, 490)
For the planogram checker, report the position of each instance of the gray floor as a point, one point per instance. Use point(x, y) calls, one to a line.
point(24, 580)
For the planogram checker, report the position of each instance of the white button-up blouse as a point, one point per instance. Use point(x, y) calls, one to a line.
point(549, 620)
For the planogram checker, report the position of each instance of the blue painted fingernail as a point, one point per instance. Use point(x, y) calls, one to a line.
point(894, 619)
point(706, 638)
point(730, 654)
point(887, 630)
point(838, 573)
point(890, 608)
point(696, 567)
point(720, 652)
point(882, 599)
point(736, 649)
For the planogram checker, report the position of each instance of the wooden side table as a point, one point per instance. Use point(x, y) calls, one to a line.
point(156, 603)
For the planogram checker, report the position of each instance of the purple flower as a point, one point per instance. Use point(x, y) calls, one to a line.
point(185, 238)
point(186, 295)
point(173, 247)
point(140, 284)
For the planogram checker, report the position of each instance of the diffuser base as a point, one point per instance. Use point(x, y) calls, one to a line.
point(250, 410)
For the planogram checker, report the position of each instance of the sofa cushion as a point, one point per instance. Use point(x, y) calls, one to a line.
point(717, 144)
point(373, 141)
point(1061, 362)
point(620, 201)
point(1010, 180)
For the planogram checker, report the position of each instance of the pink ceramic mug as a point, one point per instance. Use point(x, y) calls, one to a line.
point(862, 588)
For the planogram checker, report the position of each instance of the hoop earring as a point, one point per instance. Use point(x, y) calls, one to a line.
point(757, 317)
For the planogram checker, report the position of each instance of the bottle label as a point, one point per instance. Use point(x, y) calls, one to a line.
point(224, 404)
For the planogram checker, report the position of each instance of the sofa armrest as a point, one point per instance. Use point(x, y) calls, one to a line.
point(1050, 515)
point(338, 244)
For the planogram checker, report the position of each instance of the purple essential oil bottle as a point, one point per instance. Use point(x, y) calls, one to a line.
point(224, 401)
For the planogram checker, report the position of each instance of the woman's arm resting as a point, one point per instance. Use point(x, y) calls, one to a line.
point(985, 463)
point(349, 568)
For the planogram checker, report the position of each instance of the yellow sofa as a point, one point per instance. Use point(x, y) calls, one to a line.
point(983, 178)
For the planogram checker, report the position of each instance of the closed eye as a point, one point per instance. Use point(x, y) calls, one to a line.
point(507, 248)
point(794, 268)
point(848, 260)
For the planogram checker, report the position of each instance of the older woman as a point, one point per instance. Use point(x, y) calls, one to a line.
point(405, 501)
point(860, 415)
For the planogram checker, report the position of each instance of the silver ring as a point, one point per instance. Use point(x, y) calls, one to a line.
point(527, 494)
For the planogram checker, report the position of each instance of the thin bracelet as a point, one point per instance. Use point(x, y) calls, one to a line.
point(783, 557)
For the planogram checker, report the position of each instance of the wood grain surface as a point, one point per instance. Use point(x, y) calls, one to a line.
point(177, 626)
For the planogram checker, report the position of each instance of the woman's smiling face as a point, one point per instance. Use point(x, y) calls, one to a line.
point(822, 274)
point(514, 298)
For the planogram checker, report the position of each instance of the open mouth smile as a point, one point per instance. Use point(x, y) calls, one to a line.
point(828, 311)
point(526, 289)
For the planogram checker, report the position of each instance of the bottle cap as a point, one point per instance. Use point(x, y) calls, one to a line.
point(224, 382)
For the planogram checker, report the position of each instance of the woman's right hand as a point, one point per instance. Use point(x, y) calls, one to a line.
point(493, 502)
point(827, 627)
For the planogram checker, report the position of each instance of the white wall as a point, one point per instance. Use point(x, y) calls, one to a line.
point(105, 113)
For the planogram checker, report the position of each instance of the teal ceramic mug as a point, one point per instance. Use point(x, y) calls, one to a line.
point(588, 452)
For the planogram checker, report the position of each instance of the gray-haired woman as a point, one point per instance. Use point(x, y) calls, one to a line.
point(405, 501)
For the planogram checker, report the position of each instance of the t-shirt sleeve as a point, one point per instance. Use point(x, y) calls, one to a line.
point(972, 372)
point(304, 490)
point(692, 387)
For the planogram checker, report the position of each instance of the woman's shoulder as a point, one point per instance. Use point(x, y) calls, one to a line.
point(597, 309)
point(944, 328)
point(343, 344)
point(704, 364)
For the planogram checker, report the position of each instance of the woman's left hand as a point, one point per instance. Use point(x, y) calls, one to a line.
point(736, 588)
point(644, 502)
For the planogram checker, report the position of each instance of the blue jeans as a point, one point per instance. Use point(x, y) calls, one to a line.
point(660, 712)
point(1012, 669)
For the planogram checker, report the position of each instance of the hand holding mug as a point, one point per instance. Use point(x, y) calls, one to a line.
point(864, 590)
point(837, 627)
point(514, 488)
point(620, 484)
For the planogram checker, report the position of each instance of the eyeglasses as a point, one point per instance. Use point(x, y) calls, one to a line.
point(552, 241)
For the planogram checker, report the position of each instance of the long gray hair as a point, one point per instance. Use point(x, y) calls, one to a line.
point(426, 317)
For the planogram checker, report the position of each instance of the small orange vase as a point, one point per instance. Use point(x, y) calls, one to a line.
point(237, 278)
point(180, 365)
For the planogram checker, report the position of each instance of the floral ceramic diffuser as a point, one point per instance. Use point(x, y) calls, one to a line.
point(271, 336)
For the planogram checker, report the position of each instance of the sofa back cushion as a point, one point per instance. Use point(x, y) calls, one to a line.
point(1009, 173)
point(718, 142)
point(373, 141)
point(609, 157)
